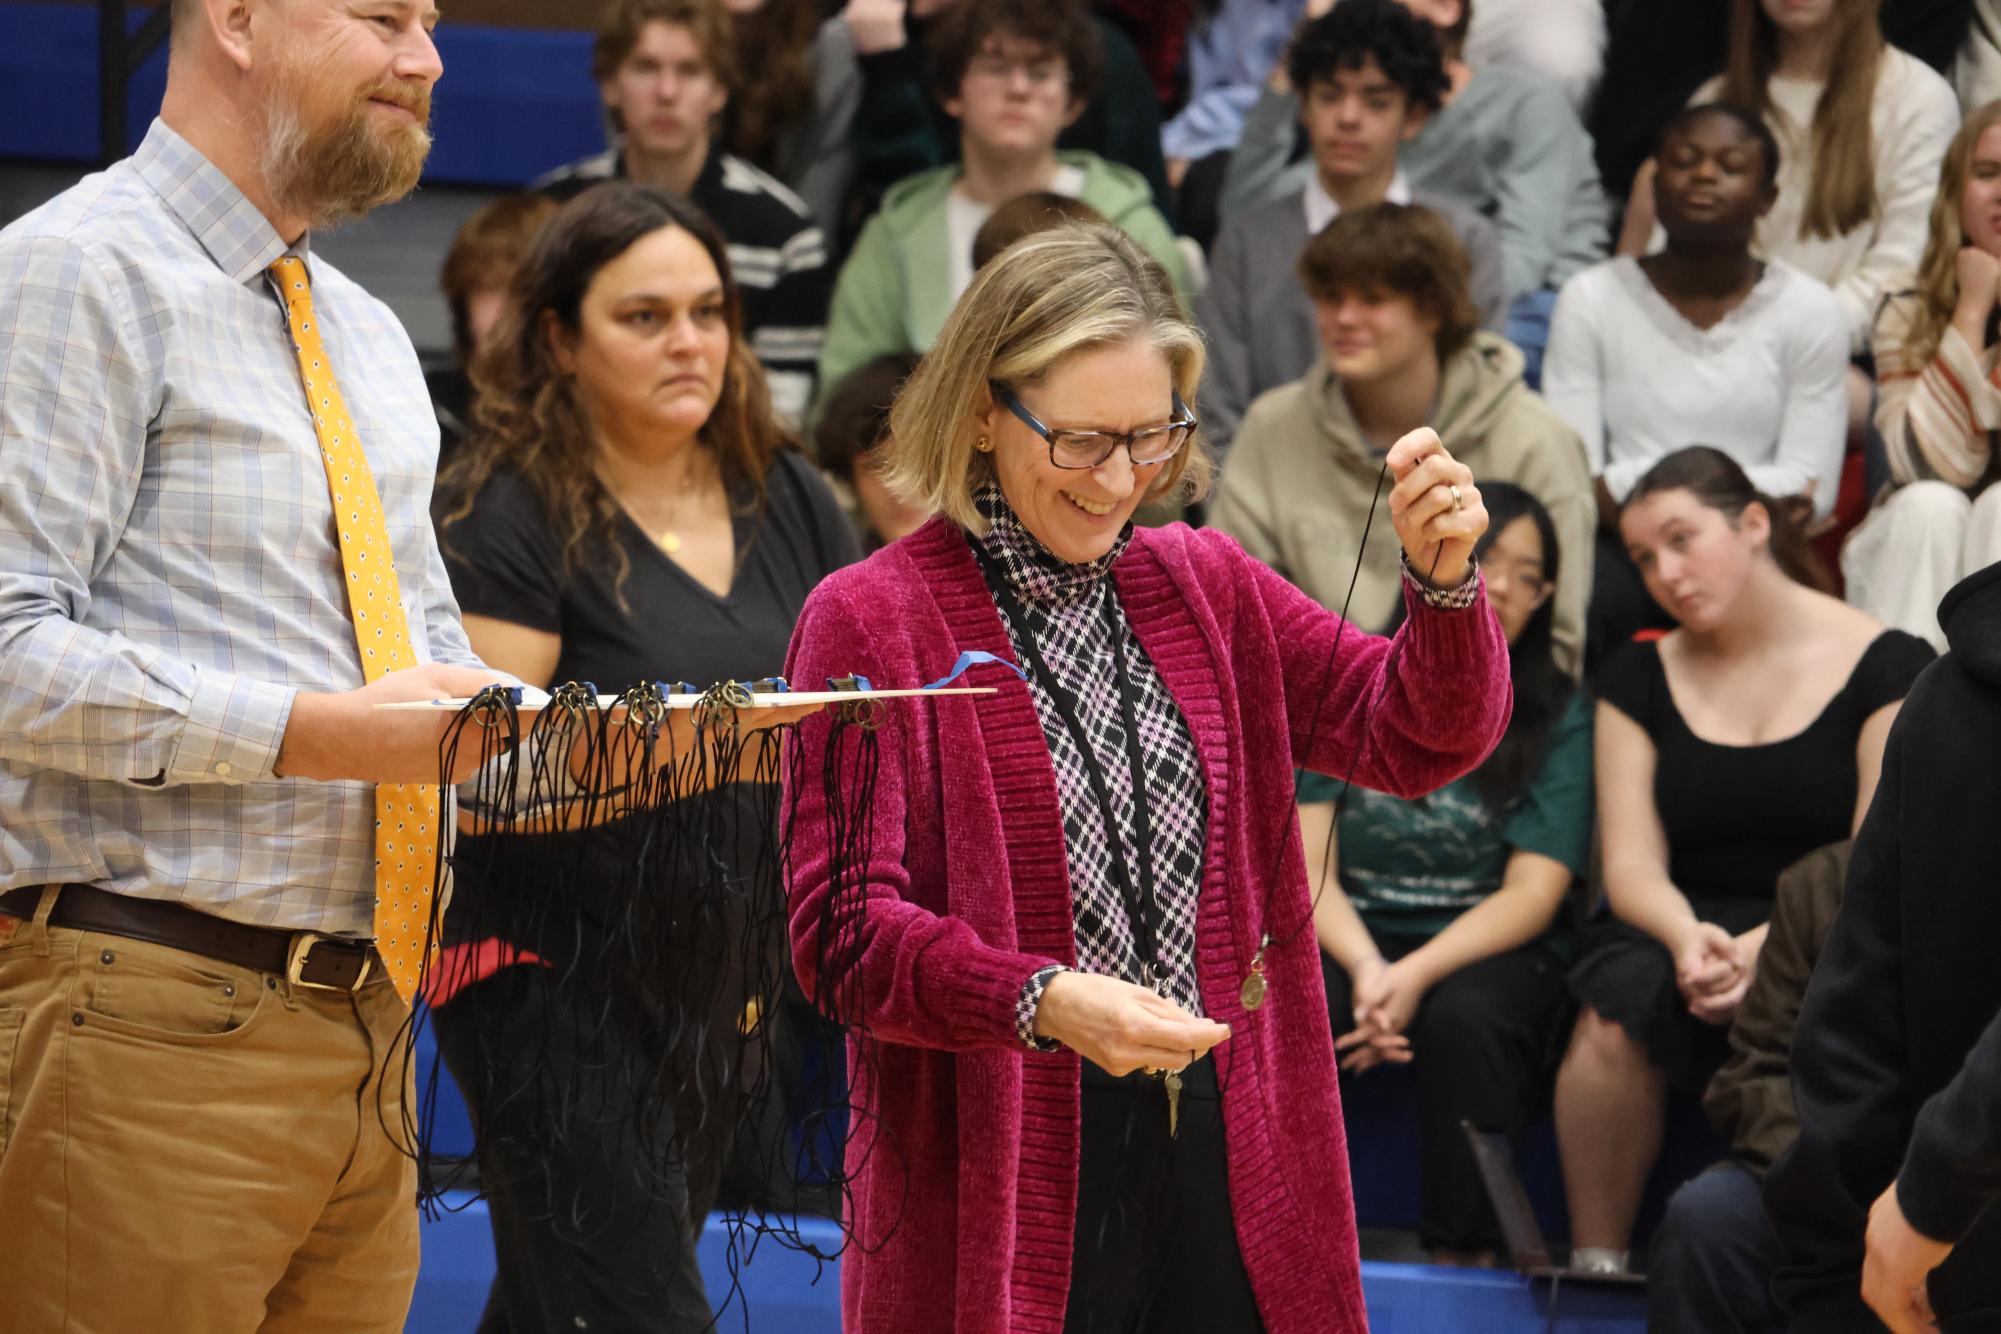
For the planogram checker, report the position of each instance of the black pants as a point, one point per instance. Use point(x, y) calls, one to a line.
point(1483, 1042)
point(1709, 1269)
point(585, 1234)
point(1156, 1249)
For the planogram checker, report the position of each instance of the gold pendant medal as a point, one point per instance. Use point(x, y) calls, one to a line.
point(1252, 993)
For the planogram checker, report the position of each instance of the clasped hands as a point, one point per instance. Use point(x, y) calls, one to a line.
point(1386, 997)
point(1714, 969)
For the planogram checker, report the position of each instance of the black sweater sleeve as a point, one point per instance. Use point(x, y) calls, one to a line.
point(1953, 1168)
point(1849, 1067)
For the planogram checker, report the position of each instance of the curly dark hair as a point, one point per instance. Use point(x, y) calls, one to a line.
point(1402, 248)
point(1348, 35)
point(1059, 27)
point(526, 417)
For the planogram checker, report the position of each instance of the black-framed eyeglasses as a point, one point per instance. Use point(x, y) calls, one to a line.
point(1082, 450)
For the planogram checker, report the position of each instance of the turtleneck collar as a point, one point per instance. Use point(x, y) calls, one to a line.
point(1033, 572)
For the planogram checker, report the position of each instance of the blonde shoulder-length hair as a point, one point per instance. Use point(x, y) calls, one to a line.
point(1048, 297)
point(1938, 273)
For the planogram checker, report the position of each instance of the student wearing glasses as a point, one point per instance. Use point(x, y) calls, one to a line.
point(1012, 74)
point(1089, 1038)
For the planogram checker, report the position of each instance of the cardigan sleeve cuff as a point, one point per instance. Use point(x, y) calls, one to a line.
point(1026, 1006)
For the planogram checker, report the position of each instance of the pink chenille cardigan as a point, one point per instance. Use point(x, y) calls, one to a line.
point(965, 1157)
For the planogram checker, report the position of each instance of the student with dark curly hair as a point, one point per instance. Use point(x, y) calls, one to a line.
point(1370, 76)
point(1506, 143)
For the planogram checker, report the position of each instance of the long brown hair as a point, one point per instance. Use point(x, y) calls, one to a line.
point(526, 418)
point(1841, 141)
point(1719, 482)
point(1938, 273)
point(780, 37)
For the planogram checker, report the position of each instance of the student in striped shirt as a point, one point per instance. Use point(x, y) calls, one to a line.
point(1939, 402)
point(666, 69)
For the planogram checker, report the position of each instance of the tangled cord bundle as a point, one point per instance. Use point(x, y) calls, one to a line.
point(635, 894)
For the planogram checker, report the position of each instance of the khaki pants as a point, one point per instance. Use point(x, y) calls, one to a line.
point(193, 1147)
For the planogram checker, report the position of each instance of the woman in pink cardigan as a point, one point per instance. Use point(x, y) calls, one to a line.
point(1094, 1078)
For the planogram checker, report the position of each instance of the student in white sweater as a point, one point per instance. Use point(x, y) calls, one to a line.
point(1862, 128)
point(1700, 344)
point(1939, 404)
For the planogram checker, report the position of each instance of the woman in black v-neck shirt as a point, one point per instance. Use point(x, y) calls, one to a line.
point(1745, 739)
point(627, 510)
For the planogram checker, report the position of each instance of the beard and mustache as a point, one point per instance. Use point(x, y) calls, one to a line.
point(330, 168)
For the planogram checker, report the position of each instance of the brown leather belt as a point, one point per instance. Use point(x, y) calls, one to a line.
point(304, 958)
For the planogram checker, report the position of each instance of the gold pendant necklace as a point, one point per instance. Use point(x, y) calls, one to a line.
point(670, 541)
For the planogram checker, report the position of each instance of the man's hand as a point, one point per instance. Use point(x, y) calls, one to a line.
point(1894, 1268)
point(877, 25)
point(331, 737)
point(1120, 1027)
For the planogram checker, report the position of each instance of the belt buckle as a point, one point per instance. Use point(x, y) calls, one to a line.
point(302, 949)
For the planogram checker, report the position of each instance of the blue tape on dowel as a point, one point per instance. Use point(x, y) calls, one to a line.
point(973, 657)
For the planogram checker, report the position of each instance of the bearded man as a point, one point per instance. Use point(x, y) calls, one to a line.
point(215, 557)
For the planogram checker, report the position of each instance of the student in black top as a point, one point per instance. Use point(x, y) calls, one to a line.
point(1726, 751)
point(627, 509)
point(1885, 1198)
point(666, 70)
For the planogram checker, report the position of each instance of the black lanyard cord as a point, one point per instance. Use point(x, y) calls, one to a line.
point(1142, 902)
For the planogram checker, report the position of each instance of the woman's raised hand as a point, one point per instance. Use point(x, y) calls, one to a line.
point(1120, 1027)
point(1436, 508)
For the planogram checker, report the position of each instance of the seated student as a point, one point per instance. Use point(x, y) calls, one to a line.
point(1441, 941)
point(1231, 46)
point(665, 69)
point(1711, 1261)
point(1726, 751)
point(1699, 342)
point(1399, 349)
point(1025, 215)
point(1506, 145)
point(478, 271)
point(854, 421)
point(1863, 127)
point(794, 118)
point(874, 51)
point(1370, 75)
point(1938, 370)
point(1013, 73)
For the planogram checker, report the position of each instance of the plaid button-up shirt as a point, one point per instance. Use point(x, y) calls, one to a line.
point(1064, 605)
point(169, 577)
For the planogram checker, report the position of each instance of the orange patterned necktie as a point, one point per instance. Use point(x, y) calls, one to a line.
point(406, 814)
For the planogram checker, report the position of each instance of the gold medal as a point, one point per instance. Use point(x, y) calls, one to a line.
point(1252, 994)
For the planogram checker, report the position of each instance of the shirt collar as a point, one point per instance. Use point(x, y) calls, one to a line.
point(237, 236)
point(1032, 571)
point(1321, 208)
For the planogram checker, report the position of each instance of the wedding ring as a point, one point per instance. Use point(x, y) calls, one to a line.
point(1458, 501)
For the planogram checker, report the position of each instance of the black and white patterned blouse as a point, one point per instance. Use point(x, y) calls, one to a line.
point(1065, 608)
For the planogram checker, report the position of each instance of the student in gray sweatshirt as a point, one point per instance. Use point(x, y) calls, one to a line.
point(1373, 75)
point(1506, 144)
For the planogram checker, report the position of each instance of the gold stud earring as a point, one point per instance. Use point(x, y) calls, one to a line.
point(984, 445)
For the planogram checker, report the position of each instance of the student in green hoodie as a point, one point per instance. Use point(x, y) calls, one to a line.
point(1013, 74)
point(1400, 348)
